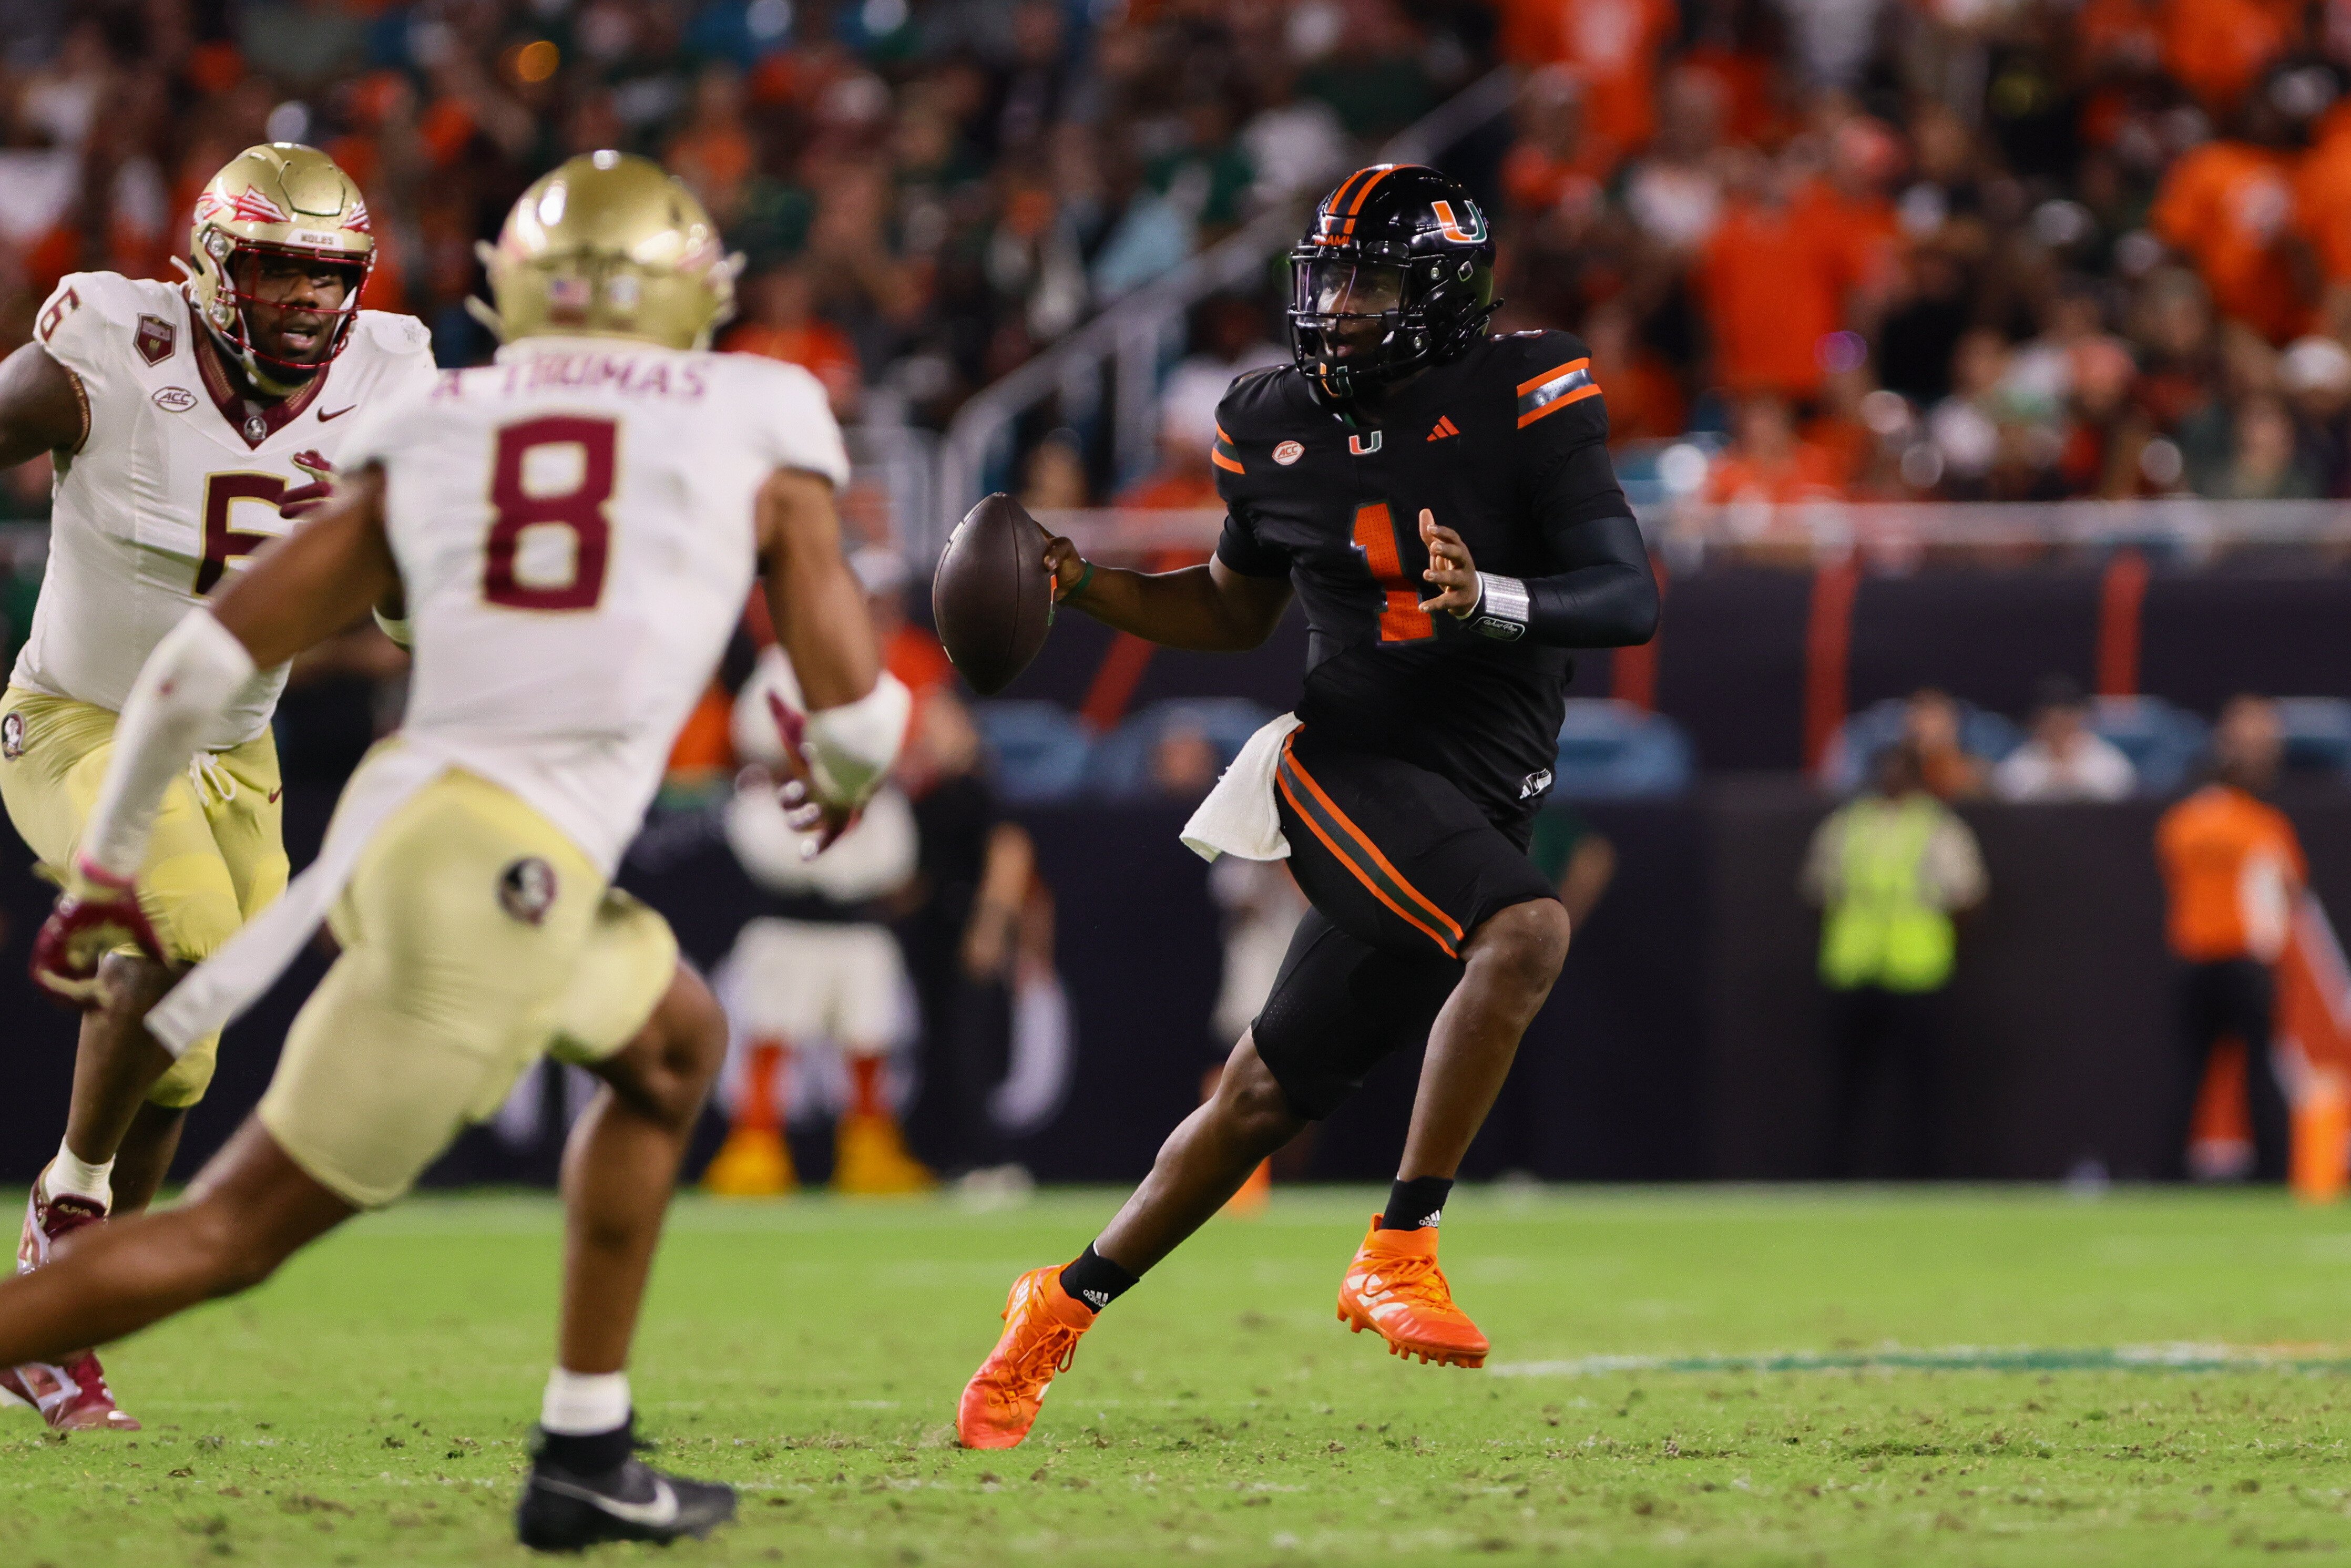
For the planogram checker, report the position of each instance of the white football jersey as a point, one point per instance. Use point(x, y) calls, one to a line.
point(574, 529)
point(178, 480)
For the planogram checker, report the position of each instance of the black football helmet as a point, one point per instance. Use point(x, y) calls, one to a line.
point(1397, 272)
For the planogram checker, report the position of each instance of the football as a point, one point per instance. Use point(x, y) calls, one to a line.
point(992, 598)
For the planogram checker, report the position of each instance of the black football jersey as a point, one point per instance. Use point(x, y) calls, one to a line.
point(1500, 444)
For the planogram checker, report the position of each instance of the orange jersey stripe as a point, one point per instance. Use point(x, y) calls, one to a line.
point(1221, 461)
point(1314, 827)
point(1418, 897)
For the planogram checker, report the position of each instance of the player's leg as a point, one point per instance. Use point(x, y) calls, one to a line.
point(144, 1160)
point(1337, 1008)
point(1510, 963)
point(1404, 862)
point(620, 1166)
point(621, 1162)
point(49, 777)
point(2248, 999)
point(248, 1211)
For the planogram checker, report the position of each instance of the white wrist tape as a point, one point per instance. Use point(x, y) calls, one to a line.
point(402, 630)
point(1502, 606)
point(188, 680)
point(852, 748)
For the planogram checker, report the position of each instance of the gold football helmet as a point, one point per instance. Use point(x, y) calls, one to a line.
point(285, 198)
point(609, 245)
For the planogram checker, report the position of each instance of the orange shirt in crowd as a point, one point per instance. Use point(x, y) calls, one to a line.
point(2232, 865)
point(2322, 200)
point(1773, 282)
point(1536, 182)
point(816, 345)
point(2218, 48)
point(1745, 82)
point(2120, 32)
point(1613, 45)
point(2229, 207)
point(1171, 491)
point(1808, 473)
point(913, 654)
point(1645, 401)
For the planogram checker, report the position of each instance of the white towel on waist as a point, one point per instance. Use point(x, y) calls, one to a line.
point(1238, 816)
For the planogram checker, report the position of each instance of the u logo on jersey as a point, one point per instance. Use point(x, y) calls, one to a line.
point(1471, 230)
point(1363, 448)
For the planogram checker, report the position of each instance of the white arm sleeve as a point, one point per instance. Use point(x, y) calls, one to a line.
point(851, 747)
point(188, 680)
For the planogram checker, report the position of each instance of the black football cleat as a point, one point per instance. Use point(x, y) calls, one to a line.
point(562, 1510)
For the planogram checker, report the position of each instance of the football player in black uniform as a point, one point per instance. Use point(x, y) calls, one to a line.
point(1442, 501)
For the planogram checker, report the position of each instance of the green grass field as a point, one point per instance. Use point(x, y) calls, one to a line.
point(368, 1405)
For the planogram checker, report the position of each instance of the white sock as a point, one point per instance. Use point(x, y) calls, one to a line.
point(70, 1174)
point(581, 1404)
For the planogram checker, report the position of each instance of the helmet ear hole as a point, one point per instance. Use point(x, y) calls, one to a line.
point(1465, 269)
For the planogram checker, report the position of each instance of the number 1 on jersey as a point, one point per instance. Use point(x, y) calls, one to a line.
point(579, 509)
point(1402, 621)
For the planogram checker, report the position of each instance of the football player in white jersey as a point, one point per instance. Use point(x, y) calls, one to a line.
point(181, 417)
point(574, 531)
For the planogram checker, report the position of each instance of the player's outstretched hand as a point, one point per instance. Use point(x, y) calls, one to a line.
point(304, 500)
point(1450, 568)
point(95, 915)
point(823, 821)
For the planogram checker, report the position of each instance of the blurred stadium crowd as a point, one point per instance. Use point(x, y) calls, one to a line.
point(1985, 250)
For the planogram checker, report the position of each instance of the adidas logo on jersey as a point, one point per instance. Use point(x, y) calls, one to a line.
point(1097, 1299)
point(1534, 784)
point(1443, 428)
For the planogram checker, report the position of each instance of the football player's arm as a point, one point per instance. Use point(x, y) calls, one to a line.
point(1209, 608)
point(844, 746)
point(42, 408)
point(1601, 593)
point(304, 587)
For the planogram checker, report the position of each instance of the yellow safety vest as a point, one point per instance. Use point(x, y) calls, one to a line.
point(1881, 929)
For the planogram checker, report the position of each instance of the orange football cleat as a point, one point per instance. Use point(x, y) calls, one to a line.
point(1395, 1289)
point(1042, 1322)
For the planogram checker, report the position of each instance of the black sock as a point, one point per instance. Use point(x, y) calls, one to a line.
point(1413, 1205)
point(1095, 1279)
point(590, 1453)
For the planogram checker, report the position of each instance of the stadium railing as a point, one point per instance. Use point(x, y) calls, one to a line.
point(1128, 342)
point(1688, 534)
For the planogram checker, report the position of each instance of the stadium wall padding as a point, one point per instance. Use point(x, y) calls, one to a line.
point(1682, 1042)
point(1731, 658)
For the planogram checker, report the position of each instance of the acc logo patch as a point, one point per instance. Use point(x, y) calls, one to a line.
point(526, 890)
point(175, 399)
point(154, 339)
point(1289, 451)
point(12, 736)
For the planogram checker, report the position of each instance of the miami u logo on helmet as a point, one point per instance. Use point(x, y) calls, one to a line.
point(1471, 233)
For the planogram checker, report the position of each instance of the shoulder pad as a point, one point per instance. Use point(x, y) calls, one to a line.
point(1259, 395)
point(394, 333)
point(94, 318)
point(1550, 371)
